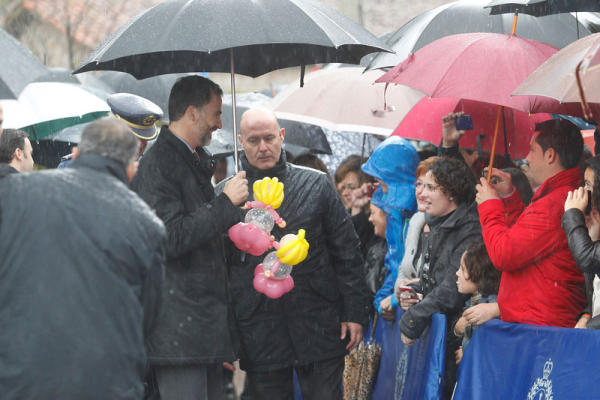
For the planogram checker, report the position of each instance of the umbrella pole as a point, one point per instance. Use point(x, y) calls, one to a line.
point(233, 111)
point(506, 154)
point(489, 175)
point(500, 111)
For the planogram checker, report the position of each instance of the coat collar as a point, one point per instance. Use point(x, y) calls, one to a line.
point(458, 216)
point(253, 173)
point(568, 177)
point(101, 164)
point(206, 164)
point(6, 169)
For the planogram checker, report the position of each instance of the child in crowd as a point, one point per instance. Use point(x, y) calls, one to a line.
point(477, 277)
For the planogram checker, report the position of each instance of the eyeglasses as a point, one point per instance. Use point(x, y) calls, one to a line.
point(430, 187)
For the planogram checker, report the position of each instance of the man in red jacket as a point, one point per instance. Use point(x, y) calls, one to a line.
point(540, 282)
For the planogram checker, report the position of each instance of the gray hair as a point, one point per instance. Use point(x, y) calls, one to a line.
point(111, 138)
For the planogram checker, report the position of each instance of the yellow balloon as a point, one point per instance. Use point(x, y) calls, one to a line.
point(268, 191)
point(295, 250)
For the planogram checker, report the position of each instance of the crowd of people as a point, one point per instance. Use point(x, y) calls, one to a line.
point(119, 280)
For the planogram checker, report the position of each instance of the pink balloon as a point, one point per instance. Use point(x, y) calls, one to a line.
point(249, 238)
point(273, 288)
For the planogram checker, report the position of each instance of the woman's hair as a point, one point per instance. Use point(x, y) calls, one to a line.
point(424, 166)
point(594, 164)
point(481, 270)
point(311, 161)
point(520, 181)
point(455, 179)
point(351, 163)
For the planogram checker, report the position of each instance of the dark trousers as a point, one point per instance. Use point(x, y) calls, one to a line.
point(190, 382)
point(321, 380)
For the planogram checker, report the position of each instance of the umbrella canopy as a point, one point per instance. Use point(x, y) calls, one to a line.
point(18, 68)
point(47, 107)
point(470, 16)
point(484, 67)
point(265, 35)
point(542, 7)
point(556, 77)
point(87, 81)
point(156, 89)
point(424, 122)
point(345, 99)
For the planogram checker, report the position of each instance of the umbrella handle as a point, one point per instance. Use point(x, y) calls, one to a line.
point(587, 112)
point(515, 19)
point(233, 111)
point(489, 175)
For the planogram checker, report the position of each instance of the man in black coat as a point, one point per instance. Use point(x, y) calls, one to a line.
point(193, 338)
point(81, 265)
point(310, 328)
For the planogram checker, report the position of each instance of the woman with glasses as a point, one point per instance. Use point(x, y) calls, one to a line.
point(581, 223)
point(417, 228)
point(451, 214)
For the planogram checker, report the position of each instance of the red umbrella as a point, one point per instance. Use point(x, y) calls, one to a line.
point(478, 66)
point(424, 122)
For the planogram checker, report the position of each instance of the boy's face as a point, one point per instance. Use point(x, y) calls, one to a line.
point(464, 284)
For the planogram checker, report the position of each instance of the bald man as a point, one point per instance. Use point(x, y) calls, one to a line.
point(310, 328)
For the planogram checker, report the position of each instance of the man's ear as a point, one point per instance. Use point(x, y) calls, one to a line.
point(191, 113)
point(75, 151)
point(131, 170)
point(18, 155)
point(282, 132)
point(550, 156)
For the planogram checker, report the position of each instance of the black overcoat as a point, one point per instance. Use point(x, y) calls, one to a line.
point(81, 265)
point(193, 325)
point(303, 325)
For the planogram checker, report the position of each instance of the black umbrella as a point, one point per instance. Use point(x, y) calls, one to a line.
point(469, 16)
point(18, 67)
point(251, 37)
point(156, 89)
point(540, 8)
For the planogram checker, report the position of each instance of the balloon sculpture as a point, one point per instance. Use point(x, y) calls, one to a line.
point(253, 236)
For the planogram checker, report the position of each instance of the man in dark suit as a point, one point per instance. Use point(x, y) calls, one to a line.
point(193, 337)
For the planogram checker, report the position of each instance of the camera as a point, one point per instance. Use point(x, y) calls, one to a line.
point(464, 123)
point(494, 180)
point(371, 188)
point(588, 208)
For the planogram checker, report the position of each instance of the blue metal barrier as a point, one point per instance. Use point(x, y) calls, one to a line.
point(518, 361)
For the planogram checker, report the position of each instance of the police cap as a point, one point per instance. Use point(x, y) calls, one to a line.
point(138, 113)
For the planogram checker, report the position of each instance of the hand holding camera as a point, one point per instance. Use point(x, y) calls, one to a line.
point(454, 126)
point(501, 181)
point(579, 199)
point(408, 297)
